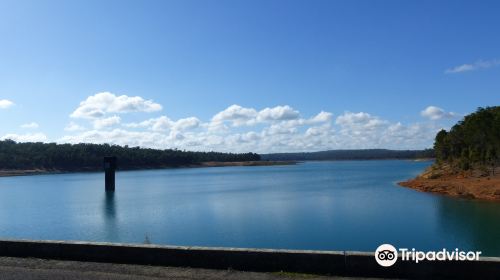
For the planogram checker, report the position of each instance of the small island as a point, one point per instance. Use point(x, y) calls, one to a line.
point(467, 159)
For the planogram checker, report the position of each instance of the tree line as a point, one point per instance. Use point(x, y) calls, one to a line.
point(365, 154)
point(473, 142)
point(86, 156)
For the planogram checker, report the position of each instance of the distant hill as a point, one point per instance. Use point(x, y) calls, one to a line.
point(366, 154)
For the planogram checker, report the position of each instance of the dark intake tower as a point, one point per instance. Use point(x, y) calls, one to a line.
point(109, 170)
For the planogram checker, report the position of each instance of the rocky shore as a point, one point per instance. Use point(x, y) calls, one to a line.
point(472, 184)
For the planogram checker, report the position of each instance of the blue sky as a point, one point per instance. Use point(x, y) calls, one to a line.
point(166, 73)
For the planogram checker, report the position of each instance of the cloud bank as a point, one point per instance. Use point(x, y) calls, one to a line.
point(102, 118)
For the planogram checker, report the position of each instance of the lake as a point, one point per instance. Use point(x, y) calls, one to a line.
point(337, 205)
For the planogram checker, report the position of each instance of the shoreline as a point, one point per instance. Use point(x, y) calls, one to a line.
point(462, 185)
point(40, 171)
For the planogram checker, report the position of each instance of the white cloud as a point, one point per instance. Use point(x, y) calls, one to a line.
point(106, 122)
point(480, 64)
point(278, 113)
point(30, 125)
point(236, 114)
point(275, 129)
point(4, 103)
point(28, 137)
point(161, 124)
point(361, 130)
point(176, 135)
point(187, 123)
point(413, 135)
point(146, 123)
point(73, 127)
point(359, 120)
point(436, 113)
point(250, 136)
point(321, 117)
point(349, 118)
point(216, 127)
point(318, 130)
point(164, 123)
point(96, 106)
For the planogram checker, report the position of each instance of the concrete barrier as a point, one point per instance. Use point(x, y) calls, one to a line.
point(341, 263)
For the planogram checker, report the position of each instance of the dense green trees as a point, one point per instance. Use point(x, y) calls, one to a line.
point(473, 142)
point(90, 156)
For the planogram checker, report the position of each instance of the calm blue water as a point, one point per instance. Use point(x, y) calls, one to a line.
point(345, 205)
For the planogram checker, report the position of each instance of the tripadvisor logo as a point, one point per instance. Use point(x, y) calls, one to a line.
point(387, 255)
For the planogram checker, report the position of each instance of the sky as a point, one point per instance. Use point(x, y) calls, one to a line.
point(245, 76)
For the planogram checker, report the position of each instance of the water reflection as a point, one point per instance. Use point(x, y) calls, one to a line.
point(109, 206)
point(472, 224)
point(109, 213)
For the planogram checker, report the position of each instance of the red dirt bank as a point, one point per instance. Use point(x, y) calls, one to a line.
point(470, 184)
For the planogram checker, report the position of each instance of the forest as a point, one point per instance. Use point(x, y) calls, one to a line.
point(69, 157)
point(365, 154)
point(473, 143)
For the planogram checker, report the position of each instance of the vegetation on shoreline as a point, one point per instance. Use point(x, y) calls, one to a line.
point(89, 157)
point(365, 154)
point(467, 159)
point(39, 171)
point(473, 143)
